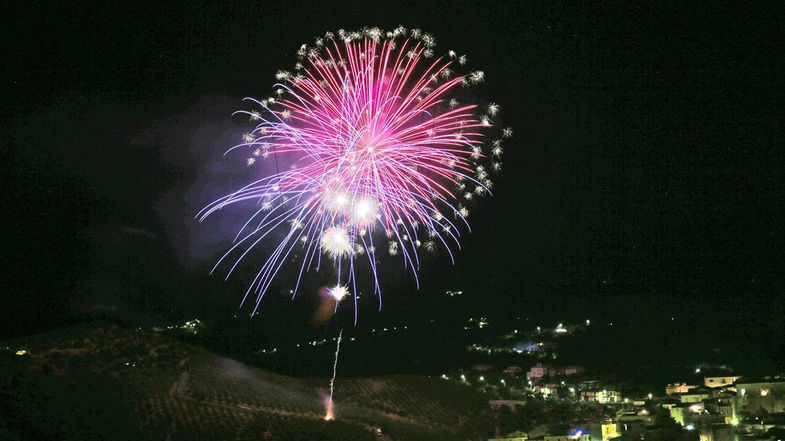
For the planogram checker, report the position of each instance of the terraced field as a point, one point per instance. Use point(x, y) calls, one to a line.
point(107, 382)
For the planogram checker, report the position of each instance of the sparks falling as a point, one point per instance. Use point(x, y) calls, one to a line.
point(381, 152)
point(330, 414)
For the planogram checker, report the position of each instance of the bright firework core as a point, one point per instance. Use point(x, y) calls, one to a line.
point(336, 242)
point(384, 151)
point(338, 292)
point(364, 212)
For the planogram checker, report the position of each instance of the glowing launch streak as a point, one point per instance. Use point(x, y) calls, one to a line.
point(330, 410)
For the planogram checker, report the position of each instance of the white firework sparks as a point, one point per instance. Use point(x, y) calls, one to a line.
point(335, 242)
point(338, 292)
point(493, 109)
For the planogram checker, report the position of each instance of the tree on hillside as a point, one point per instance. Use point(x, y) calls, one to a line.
point(667, 429)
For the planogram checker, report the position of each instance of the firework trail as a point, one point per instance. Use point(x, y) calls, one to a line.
point(330, 407)
point(375, 149)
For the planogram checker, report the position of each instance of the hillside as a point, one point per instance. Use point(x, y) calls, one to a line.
point(105, 382)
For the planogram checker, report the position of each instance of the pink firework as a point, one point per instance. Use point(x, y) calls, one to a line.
point(383, 155)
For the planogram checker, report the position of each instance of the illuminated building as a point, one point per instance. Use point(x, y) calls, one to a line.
point(542, 370)
point(513, 371)
point(718, 432)
point(768, 395)
point(538, 371)
point(724, 405)
point(695, 395)
point(546, 389)
point(604, 430)
point(608, 396)
point(719, 381)
point(678, 388)
point(609, 431)
point(633, 424)
point(603, 396)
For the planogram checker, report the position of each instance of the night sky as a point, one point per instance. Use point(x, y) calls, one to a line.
point(645, 177)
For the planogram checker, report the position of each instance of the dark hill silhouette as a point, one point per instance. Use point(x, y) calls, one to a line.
point(105, 382)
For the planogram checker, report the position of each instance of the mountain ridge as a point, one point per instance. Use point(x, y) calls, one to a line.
point(102, 381)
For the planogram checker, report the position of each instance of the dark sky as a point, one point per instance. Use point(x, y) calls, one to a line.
point(645, 177)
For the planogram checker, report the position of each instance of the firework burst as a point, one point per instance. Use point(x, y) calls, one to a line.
point(383, 154)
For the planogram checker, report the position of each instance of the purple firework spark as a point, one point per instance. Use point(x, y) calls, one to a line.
point(379, 143)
